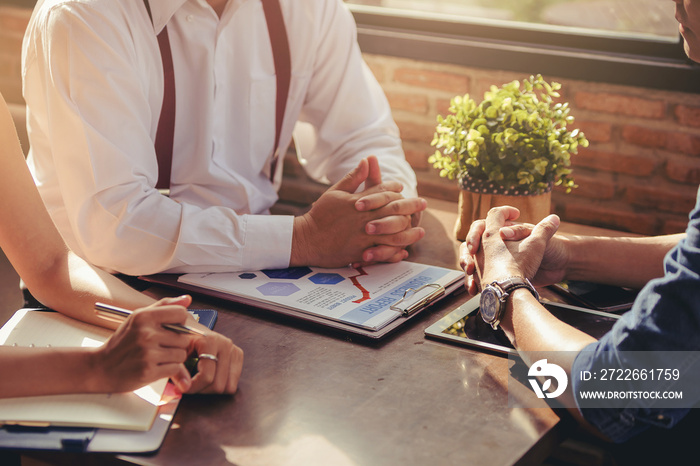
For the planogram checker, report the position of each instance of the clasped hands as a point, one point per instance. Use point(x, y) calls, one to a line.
point(504, 248)
point(348, 227)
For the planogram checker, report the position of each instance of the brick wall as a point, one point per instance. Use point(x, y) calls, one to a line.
point(640, 173)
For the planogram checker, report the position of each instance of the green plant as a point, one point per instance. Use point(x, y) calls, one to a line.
point(514, 137)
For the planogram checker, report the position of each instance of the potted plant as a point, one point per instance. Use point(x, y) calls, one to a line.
point(511, 148)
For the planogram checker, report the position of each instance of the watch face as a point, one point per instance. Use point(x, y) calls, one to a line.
point(489, 304)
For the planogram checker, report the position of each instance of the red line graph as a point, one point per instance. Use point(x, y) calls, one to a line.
point(365, 293)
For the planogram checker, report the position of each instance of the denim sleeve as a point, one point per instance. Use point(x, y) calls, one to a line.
point(665, 317)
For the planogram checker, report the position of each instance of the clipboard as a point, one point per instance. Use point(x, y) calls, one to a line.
point(100, 440)
point(411, 303)
point(415, 300)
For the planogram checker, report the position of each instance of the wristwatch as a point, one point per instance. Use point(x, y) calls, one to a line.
point(494, 297)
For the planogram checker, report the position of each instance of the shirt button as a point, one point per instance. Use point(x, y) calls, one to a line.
point(190, 18)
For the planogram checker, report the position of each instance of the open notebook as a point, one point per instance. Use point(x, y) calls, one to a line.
point(126, 411)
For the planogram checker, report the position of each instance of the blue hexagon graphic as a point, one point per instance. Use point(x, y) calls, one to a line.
point(278, 289)
point(326, 278)
point(292, 273)
point(247, 276)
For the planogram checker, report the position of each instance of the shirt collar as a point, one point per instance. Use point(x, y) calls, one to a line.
point(162, 11)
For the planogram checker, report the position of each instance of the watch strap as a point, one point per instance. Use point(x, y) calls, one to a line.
point(511, 284)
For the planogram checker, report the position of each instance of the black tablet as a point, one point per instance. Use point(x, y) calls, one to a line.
point(598, 296)
point(465, 326)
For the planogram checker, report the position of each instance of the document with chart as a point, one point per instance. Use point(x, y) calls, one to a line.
point(367, 297)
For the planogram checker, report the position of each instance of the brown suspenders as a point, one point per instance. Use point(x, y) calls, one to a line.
point(283, 69)
point(166, 124)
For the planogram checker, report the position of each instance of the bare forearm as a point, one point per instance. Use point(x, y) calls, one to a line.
point(534, 330)
point(629, 262)
point(74, 286)
point(531, 327)
point(47, 371)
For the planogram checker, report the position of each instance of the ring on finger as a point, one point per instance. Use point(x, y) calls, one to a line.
point(211, 357)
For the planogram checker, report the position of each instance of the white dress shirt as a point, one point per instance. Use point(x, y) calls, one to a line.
point(93, 83)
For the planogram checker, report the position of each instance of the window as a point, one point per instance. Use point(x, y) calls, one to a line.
point(632, 18)
point(630, 42)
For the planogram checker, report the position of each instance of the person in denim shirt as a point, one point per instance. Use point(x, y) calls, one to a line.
point(505, 249)
point(665, 317)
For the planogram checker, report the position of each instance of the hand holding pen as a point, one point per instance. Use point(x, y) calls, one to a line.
point(219, 360)
point(118, 314)
point(143, 350)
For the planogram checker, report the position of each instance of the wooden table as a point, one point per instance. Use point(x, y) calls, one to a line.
point(308, 396)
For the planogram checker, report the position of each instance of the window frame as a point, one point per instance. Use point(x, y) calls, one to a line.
point(597, 56)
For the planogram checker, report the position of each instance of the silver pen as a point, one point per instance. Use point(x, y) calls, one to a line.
point(118, 314)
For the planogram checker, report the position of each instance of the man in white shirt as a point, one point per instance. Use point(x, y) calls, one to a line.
point(94, 86)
